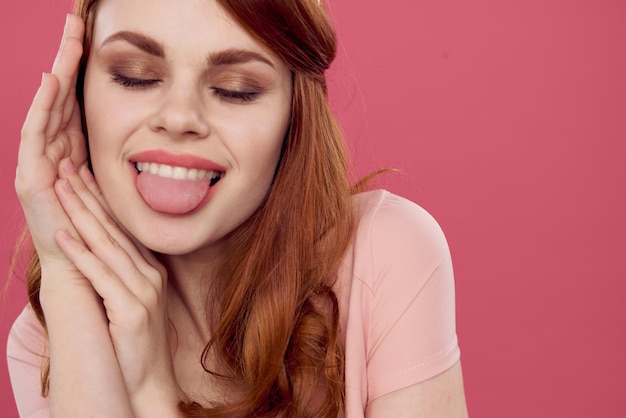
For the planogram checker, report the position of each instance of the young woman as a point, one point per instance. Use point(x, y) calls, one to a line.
point(199, 250)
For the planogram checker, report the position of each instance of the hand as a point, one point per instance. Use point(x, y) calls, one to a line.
point(52, 131)
point(132, 285)
point(83, 364)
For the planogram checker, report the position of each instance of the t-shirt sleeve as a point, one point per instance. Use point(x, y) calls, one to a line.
point(412, 312)
point(25, 353)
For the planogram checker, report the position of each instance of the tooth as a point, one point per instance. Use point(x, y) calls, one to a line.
point(179, 173)
point(165, 170)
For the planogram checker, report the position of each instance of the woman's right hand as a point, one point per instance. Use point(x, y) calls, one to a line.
point(51, 132)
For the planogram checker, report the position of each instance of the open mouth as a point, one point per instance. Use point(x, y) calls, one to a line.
point(179, 173)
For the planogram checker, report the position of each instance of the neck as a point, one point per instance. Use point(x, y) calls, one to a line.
point(189, 283)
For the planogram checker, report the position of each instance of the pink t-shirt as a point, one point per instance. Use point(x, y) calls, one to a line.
point(396, 298)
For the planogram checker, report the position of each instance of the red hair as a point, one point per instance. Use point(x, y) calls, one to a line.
point(276, 333)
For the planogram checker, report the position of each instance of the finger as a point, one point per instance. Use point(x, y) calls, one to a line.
point(91, 184)
point(99, 203)
point(115, 294)
point(84, 185)
point(104, 237)
point(33, 137)
point(78, 143)
point(78, 32)
point(102, 244)
point(74, 28)
point(65, 68)
point(71, 43)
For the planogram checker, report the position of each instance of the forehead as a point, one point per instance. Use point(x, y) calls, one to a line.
point(188, 25)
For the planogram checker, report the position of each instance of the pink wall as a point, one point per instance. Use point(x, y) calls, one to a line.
point(508, 120)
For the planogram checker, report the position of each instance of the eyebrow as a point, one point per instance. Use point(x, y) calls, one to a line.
point(237, 56)
point(149, 45)
point(143, 42)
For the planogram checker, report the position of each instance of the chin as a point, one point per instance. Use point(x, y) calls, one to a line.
point(178, 245)
point(170, 248)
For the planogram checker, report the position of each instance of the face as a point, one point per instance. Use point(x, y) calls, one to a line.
point(186, 114)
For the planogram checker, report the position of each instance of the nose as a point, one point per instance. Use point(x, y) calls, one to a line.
point(181, 113)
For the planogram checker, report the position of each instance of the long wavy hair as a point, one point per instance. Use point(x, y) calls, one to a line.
point(276, 334)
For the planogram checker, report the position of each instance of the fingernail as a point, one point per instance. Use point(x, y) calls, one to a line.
point(85, 174)
point(68, 167)
point(43, 75)
point(67, 186)
point(66, 235)
point(67, 22)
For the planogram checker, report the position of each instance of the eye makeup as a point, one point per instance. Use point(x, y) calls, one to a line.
point(237, 89)
point(132, 81)
point(134, 73)
point(239, 82)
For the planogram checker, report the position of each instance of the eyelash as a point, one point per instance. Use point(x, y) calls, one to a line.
point(135, 83)
point(234, 95)
point(229, 95)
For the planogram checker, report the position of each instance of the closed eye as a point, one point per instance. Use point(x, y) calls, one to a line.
point(236, 95)
point(131, 82)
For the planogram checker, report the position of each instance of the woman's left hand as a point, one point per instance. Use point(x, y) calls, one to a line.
point(133, 288)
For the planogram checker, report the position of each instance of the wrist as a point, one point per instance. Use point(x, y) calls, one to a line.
point(68, 297)
point(57, 278)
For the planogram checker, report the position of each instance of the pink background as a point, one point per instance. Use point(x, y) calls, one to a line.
point(508, 120)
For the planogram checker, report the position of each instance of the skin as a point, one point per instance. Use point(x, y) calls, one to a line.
point(188, 110)
point(51, 135)
point(108, 301)
point(196, 108)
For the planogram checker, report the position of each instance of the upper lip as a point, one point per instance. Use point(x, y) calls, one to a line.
point(176, 159)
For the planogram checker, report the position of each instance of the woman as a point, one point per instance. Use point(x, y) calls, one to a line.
point(216, 262)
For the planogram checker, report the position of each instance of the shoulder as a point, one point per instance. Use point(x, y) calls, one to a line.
point(394, 232)
point(27, 337)
point(26, 352)
point(398, 299)
point(391, 216)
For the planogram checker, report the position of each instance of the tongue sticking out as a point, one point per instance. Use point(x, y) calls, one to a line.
point(171, 196)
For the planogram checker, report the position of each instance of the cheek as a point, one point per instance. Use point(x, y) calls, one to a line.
point(110, 116)
point(109, 112)
point(97, 112)
point(263, 150)
point(256, 140)
point(105, 139)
